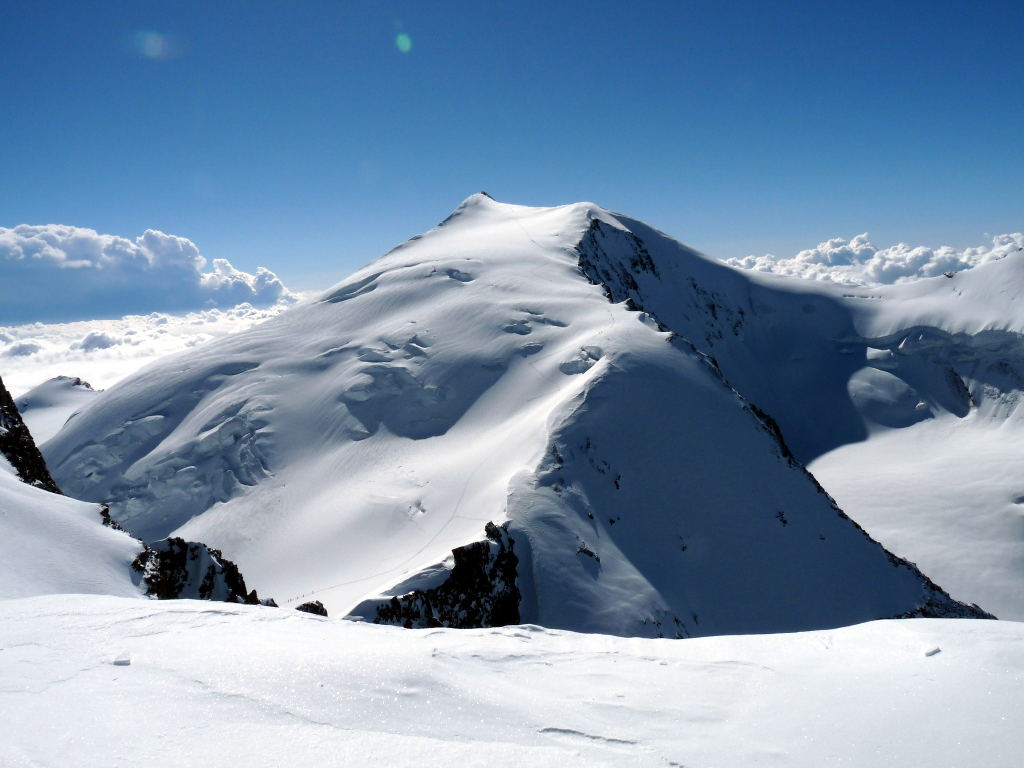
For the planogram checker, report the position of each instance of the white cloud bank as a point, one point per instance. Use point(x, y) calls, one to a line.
point(104, 351)
point(58, 273)
point(860, 262)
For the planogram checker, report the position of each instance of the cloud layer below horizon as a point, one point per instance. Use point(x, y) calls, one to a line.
point(104, 351)
point(56, 272)
point(859, 262)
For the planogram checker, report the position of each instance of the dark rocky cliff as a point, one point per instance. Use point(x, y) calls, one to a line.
point(177, 569)
point(481, 590)
point(17, 445)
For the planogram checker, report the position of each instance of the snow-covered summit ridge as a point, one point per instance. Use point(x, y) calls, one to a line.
point(479, 373)
point(933, 369)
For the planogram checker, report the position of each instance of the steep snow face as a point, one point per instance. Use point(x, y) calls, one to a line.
point(475, 375)
point(904, 398)
point(47, 407)
point(133, 682)
point(51, 544)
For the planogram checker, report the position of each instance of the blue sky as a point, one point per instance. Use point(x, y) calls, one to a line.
point(298, 136)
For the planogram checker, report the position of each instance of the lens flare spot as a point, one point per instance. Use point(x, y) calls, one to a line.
point(152, 45)
point(403, 42)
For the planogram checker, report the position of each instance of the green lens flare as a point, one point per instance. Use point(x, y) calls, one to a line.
point(404, 43)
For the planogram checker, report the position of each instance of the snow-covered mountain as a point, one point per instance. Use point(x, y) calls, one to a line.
point(52, 544)
point(496, 370)
point(902, 399)
point(47, 407)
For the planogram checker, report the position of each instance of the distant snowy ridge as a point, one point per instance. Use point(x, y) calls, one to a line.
point(915, 387)
point(47, 407)
point(492, 370)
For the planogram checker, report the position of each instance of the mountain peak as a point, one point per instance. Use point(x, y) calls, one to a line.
point(494, 370)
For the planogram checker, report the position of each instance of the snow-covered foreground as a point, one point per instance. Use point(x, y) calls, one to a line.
point(104, 681)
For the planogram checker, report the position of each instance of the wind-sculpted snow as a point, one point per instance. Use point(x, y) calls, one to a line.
point(155, 683)
point(475, 374)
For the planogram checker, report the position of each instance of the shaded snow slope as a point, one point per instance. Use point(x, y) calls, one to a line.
point(47, 407)
point(471, 375)
point(948, 492)
point(124, 683)
point(915, 387)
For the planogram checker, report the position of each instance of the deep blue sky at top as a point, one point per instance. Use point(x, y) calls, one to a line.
point(297, 135)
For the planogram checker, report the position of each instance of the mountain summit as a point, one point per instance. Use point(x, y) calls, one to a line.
point(492, 388)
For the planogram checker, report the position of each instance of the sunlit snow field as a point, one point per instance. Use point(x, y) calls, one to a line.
point(103, 681)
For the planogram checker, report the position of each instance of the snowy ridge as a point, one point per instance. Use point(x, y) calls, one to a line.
point(904, 400)
point(472, 375)
point(47, 407)
point(51, 544)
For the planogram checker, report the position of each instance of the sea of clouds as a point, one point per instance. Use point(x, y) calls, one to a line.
point(75, 302)
point(155, 296)
point(62, 273)
point(103, 352)
point(859, 262)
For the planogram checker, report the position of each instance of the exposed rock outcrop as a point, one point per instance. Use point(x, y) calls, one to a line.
point(17, 445)
point(314, 607)
point(177, 569)
point(481, 590)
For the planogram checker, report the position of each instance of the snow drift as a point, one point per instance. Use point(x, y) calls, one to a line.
point(135, 682)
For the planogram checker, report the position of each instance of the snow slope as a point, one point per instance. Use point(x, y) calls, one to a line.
point(475, 374)
point(103, 681)
point(939, 479)
point(903, 399)
point(47, 407)
point(51, 544)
